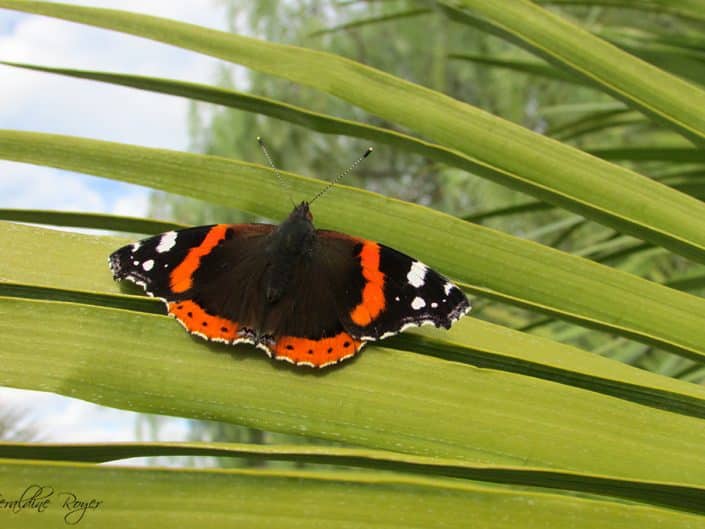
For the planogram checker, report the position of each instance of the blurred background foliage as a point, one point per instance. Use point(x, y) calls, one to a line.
point(422, 43)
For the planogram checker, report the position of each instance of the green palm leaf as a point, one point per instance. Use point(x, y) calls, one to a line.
point(270, 499)
point(665, 494)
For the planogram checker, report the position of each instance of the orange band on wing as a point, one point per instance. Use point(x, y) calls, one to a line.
point(197, 320)
point(181, 278)
point(373, 292)
point(317, 353)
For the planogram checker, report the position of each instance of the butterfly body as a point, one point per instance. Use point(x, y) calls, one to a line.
point(291, 245)
point(308, 296)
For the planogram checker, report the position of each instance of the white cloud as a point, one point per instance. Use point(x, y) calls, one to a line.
point(38, 101)
point(30, 186)
point(133, 204)
point(25, 186)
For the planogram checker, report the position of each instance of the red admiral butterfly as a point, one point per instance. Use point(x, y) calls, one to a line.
point(308, 296)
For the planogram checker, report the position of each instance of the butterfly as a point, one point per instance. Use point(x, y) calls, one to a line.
point(308, 296)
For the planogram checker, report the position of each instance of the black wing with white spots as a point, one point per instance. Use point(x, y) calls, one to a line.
point(385, 291)
point(150, 262)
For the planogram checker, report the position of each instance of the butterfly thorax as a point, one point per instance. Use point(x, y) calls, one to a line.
point(289, 246)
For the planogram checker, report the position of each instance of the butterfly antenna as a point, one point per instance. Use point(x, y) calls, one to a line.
point(274, 167)
point(341, 175)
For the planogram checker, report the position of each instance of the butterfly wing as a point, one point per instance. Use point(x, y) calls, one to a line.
point(346, 292)
point(383, 291)
point(208, 276)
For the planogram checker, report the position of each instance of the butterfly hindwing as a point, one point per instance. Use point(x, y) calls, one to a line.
point(304, 327)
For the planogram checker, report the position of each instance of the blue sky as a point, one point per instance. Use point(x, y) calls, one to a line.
point(46, 103)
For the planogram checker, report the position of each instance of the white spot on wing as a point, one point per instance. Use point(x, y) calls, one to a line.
point(418, 303)
point(167, 242)
point(434, 305)
point(448, 287)
point(136, 246)
point(148, 265)
point(417, 274)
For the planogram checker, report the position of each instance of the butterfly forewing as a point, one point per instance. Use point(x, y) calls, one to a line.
point(205, 275)
point(151, 262)
point(383, 291)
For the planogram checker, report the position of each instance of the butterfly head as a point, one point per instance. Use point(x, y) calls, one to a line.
point(302, 212)
point(295, 235)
